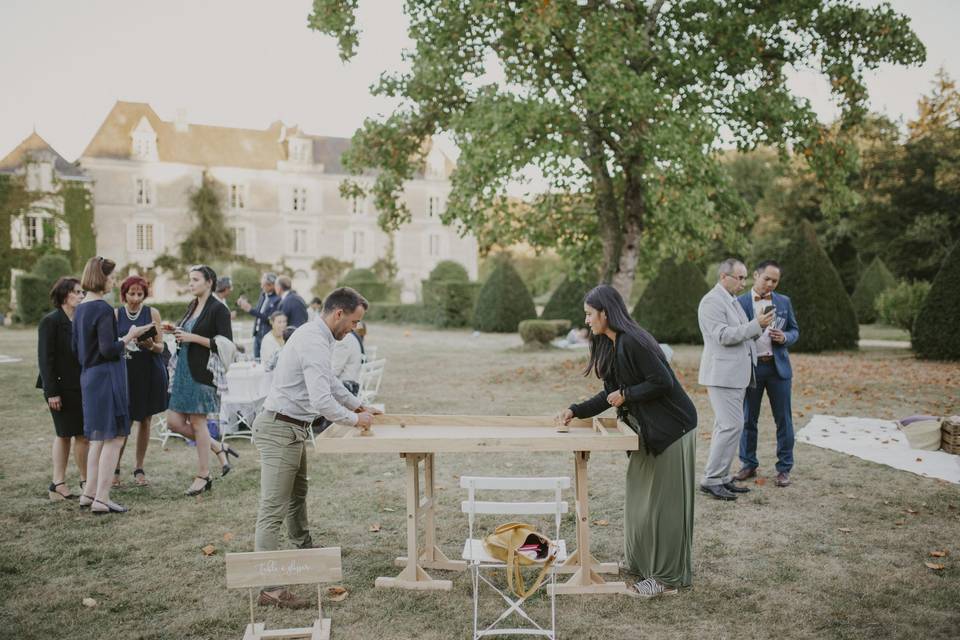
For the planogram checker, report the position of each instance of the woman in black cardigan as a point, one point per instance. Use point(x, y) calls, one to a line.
point(60, 380)
point(638, 381)
point(194, 393)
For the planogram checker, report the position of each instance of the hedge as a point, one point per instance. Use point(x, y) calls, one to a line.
point(448, 270)
point(450, 303)
point(900, 305)
point(173, 311)
point(503, 302)
point(537, 332)
point(566, 302)
point(366, 282)
point(935, 335)
point(821, 304)
point(398, 313)
point(246, 282)
point(33, 299)
point(875, 280)
point(668, 306)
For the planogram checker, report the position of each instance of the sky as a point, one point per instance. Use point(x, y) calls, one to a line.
point(247, 63)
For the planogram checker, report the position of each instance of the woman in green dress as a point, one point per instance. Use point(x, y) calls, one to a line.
point(638, 381)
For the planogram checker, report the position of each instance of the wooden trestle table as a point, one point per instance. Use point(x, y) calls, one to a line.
point(418, 438)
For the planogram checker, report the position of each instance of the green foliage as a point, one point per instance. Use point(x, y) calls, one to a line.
point(668, 306)
point(171, 311)
point(78, 214)
point(898, 306)
point(823, 308)
point(449, 271)
point(537, 332)
point(560, 326)
point(567, 302)
point(875, 280)
point(503, 301)
point(366, 282)
point(450, 303)
point(935, 334)
point(619, 105)
point(329, 271)
point(210, 238)
point(33, 300)
point(246, 282)
point(385, 267)
point(398, 313)
point(50, 267)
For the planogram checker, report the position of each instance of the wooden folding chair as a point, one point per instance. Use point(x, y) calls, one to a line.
point(260, 569)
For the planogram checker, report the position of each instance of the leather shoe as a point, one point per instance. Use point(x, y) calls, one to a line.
point(744, 473)
point(735, 488)
point(718, 491)
point(783, 479)
point(282, 599)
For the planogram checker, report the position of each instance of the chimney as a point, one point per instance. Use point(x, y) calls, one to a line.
point(180, 123)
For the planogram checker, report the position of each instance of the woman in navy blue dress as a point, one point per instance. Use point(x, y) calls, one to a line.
point(146, 372)
point(193, 394)
point(103, 383)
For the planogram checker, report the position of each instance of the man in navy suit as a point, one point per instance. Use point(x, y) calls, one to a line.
point(266, 304)
point(773, 373)
point(291, 304)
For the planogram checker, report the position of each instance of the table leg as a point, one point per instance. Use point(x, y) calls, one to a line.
point(586, 577)
point(413, 576)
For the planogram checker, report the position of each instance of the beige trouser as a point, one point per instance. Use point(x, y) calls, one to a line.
point(283, 482)
point(727, 406)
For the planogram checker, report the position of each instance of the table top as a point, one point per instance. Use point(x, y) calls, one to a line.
point(458, 433)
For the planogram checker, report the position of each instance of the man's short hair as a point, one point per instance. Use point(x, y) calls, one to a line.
point(728, 265)
point(285, 283)
point(344, 298)
point(224, 283)
point(276, 314)
point(270, 277)
point(316, 300)
point(763, 264)
point(95, 274)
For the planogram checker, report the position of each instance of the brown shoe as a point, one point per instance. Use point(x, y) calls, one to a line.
point(783, 479)
point(743, 474)
point(282, 599)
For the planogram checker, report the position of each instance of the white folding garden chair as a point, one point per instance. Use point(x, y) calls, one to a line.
point(480, 560)
point(371, 375)
point(160, 431)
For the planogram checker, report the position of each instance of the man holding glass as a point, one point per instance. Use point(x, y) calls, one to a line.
point(773, 372)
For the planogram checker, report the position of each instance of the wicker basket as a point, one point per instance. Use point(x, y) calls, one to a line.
point(950, 434)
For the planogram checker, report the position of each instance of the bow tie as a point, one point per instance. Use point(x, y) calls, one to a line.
point(757, 298)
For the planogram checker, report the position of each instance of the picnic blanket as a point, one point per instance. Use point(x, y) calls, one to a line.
point(879, 441)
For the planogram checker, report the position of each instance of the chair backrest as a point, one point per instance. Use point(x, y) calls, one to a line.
point(369, 352)
point(269, 568)
point(472, 506)
point(371, 375)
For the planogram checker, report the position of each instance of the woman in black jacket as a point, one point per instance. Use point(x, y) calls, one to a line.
point(638, 381)
point(60, 380)
point(194, 393)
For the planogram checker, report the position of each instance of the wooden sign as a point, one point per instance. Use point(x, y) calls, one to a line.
point(268, 568)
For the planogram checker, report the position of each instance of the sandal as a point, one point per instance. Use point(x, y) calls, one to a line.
point(89, 499)
point(205, 487)
point(56, 496)
point(116, 479)
point(650, 588)
point(111, 507)
point(140, 478)
point(226, 451)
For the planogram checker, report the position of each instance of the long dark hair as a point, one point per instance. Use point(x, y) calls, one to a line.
point(607, 299)
point(210, 276)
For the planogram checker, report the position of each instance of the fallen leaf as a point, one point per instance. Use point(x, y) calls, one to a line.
point(911, 512)
point(209, 550)
point(900, 523)
point(845, 530)
point(851, 496)
point(939, 554)
point(227, 537)
point(389, 509)
point(601, 523)
point(90, 603)
point(934, 565)
point(375, 527)
point(919, 459)
point(760, 482)
point(337, 594)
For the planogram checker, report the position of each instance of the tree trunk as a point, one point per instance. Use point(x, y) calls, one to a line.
point(630, 234)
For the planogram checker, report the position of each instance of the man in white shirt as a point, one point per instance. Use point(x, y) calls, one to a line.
point(303, 392)
point(347, 360)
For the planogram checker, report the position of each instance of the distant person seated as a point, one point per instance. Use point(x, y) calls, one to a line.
point(347, 359)
point(313, 311)
point(576, 338)
point(274, 340)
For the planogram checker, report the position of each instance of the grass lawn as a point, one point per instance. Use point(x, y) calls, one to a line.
point(883, 332)
point(840, 554)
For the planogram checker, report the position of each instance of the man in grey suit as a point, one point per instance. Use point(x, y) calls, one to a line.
point(726, 370)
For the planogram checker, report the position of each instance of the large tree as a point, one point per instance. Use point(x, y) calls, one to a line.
point(619, 104)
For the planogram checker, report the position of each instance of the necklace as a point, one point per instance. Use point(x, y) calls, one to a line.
point(132, 318)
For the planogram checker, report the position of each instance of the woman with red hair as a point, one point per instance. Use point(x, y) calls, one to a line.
point(146, 373)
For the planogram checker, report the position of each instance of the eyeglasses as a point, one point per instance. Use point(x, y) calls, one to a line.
point(740, 278)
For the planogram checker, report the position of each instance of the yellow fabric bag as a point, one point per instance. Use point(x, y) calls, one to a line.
point(505, 543)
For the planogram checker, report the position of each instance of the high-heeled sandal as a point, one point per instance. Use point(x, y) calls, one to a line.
point(227, 451)
point(205, 487)
point(85, 505)
point(111, 507)
point(56, 496)
point(138, 481)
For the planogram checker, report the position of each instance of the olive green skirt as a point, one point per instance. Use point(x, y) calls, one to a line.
point(658, 511)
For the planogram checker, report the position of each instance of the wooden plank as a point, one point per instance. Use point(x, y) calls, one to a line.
point(297, 566)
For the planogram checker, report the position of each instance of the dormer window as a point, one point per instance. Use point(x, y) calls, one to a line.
point(144, 141)
point(39, 176)
point(301, 150)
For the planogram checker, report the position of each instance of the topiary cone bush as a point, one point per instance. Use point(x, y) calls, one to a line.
point(566, 302)
point(821, 304)
point(935, 335)
point(503, 302)
point(668, 306)
point(875, 280)
point(449, 271)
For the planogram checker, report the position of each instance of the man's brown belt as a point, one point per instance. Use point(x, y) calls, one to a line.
point(300, 423)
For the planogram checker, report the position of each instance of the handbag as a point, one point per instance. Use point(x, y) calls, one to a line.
point(518, 545)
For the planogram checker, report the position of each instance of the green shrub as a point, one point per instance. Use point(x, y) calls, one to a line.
point(668, 306)
point(173, 311)
point(246, 282)
point(899, 306)
point(567, 302)
point(537, 332)
point(328, 272)
point(875, 280)
point(450, 303)
point(33, 298)
point(366, 282)
point(398, 313)
point(822, 306)
point(541, 274)
point(561, 326)
point(935, 334)
point(449, 271)
point(503, 301)
point(51, 267)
